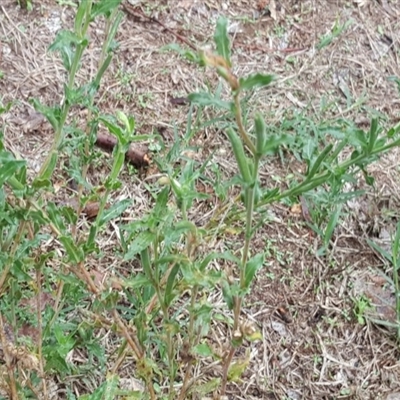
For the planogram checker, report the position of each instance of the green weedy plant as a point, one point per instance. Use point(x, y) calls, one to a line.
point(325, 168)
point(170, 313)
point(28, 219)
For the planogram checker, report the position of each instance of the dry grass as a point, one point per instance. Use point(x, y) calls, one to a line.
point(312, 347)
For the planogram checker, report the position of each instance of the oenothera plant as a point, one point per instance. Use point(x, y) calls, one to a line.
point(326, 166)
point(30, 219)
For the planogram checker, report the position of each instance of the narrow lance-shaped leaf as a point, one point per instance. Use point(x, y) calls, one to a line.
point(396, 247)
point(74, 252)
point(241, 158)
point(320, 159)
point(255, 81)
point(373, 135)
point(252, 266)
point(261, 132)
point(223, 256)
point(141, 242)
point(115, 211)
point(227, 294)
point(205, 99)
point(221, 40)
point(114, 129)
point(169, 295)
point(332, 223)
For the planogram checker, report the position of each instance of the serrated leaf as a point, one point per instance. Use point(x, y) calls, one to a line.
point(274, 141)
point(203, 350)
point(187, 54)
point(223, 256)
point(55, 216)
point(103, 7)
point(52, 114)
point(8, 169)
point(206, 99)
point(206, 388)
point(115, 130)
point(106, 391)
point(140, 243)
point(114, 211)
point(221, 40)
point(237, 368)
point(75, 253)
point(65, 43)
point(255, 81)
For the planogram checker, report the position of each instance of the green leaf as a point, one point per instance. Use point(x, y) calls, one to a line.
point(261, 133)
point(222, 256)
point(373, 135)
point(80, 14)
point(187, 54)
point(206, 99)
point(129, 122)
point(161, 204)
point(113, 127)
point(202, 389)
point(169, 287)
point(108, 390)
point(255, 81)
point(5, 108)
point(65, 43)
point(385, 254)
point(237, 368)
point(39, 183)
point(104, 7)
point(273, 142)
point(118, 163)
point(240, 156)
point(114, 211)
point(252, 266)
point(52, 114)
point(48, 172)
point(8, 169)
point(227, 293)
point(396, 247)
point(140, 243)
point(332, 223)
point(203, 350)
point(320, 159)
point(55, 216)
point(75, 253)
point(221, 39)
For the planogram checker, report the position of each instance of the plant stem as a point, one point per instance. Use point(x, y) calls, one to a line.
point(59, 132)
point(249, 196)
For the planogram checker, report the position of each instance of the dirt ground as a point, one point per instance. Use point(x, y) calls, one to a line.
point(313, 346)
